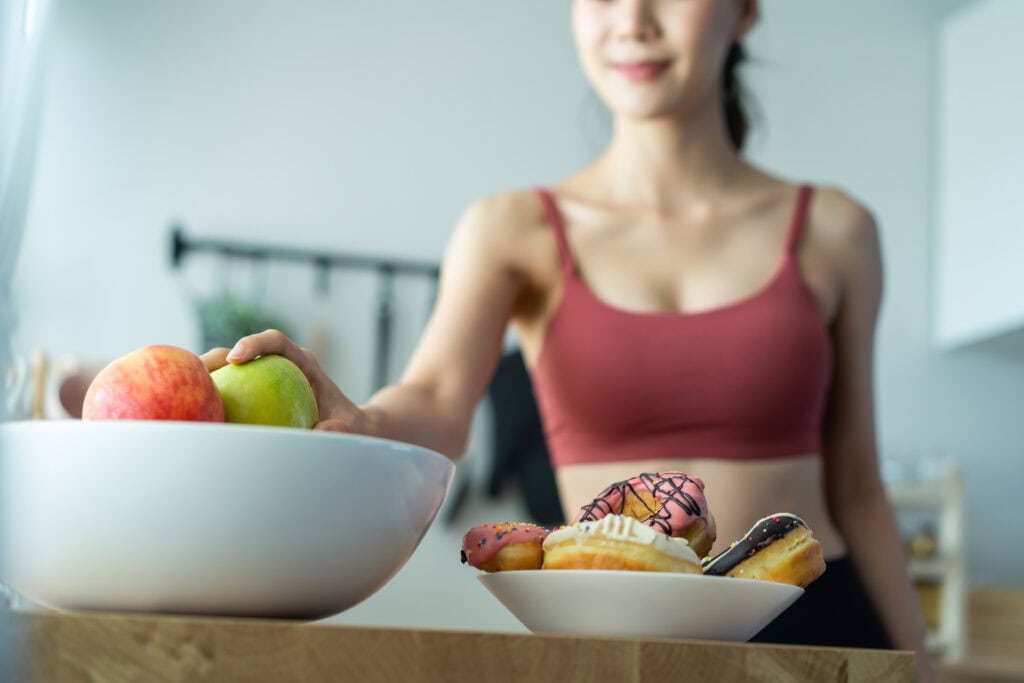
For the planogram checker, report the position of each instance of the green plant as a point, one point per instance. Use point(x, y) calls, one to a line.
point(224, 319)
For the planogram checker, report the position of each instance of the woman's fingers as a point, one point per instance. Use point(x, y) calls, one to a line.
point(215, 358)
point(261, 344)
point(332, 425)
point(275, 341)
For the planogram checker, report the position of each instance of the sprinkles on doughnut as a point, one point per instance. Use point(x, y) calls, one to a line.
point(495, 547)
point(778, 548)
point(670, 502)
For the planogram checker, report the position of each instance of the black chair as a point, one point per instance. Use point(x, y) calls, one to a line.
point(521, 455)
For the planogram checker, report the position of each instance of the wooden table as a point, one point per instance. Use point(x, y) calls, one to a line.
point(71, 647)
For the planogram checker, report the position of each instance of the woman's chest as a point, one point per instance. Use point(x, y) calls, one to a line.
point(759, 366)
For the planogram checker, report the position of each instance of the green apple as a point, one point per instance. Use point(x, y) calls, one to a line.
point(269, 390)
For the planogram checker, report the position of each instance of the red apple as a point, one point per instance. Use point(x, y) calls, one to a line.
point(154, 383)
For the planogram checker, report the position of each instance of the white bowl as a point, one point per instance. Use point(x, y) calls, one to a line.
point(640, 604)
point(204, 518)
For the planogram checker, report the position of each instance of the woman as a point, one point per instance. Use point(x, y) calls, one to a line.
point(679, 309)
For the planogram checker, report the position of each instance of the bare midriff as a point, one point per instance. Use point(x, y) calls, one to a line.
point(739, 492)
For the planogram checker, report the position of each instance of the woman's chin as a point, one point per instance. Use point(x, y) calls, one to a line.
point(644, 111)
point(643, 106)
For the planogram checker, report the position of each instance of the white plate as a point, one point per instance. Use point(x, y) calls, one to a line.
point(206, 518)
point(640, 604)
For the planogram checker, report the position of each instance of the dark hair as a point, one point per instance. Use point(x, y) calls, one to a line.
point(736, 120)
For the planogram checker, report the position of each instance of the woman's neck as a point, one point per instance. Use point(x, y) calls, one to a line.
point(667, 162)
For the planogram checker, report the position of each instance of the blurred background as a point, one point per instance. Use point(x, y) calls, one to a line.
point(339, 129)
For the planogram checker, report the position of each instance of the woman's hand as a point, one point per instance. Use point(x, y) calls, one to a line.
point(337, 412)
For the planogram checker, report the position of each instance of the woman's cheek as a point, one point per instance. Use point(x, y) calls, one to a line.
point(588, 25)
point(588, 32)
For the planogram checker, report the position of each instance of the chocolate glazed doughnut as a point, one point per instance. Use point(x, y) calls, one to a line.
point(778, 548)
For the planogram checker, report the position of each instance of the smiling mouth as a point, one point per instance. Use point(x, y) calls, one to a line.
point(641, 71)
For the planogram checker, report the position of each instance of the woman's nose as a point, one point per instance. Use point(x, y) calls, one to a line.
point(636, 20)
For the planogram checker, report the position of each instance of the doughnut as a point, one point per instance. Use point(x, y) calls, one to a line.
point(670, 502)
point(503, 547)
point(777, 548)
point(618, 542)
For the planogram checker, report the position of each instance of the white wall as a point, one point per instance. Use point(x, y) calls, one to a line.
point(368, 126)
point(980, 236)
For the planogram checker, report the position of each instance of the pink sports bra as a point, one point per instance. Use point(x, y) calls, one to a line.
point(746, 380)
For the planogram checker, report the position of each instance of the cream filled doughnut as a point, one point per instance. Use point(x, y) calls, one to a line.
point(670, 502)
point(618, 542)
point(778, 548)
point(505, 546)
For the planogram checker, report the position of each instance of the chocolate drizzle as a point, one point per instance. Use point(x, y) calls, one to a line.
point(765, 532)
point(662, 486)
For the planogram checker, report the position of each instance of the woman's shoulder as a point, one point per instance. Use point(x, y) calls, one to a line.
point(508, 211)
point(843, 230)
point(510, 226)
point(838, 220)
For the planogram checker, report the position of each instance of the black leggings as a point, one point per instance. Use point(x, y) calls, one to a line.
point(834, 611)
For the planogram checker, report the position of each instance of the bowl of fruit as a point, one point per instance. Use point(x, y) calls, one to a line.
point(155, 503)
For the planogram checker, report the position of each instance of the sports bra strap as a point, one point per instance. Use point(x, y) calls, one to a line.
point(796, 225)
point(557, 227)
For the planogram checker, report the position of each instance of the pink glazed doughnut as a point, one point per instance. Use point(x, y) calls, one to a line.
point(505, 546)
point(670, 502)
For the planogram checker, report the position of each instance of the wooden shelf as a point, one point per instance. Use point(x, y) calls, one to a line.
point(916, 495)
point(932, 568)
point(937, 643)
point(940, 500)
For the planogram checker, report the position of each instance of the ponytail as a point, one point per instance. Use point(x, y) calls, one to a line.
point(736, 119)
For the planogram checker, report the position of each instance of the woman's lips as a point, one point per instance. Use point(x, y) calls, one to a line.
point(641, 71)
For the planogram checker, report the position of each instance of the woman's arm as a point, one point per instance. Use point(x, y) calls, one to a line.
point(450, 369)
point(433, 403)
point(854, 492)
